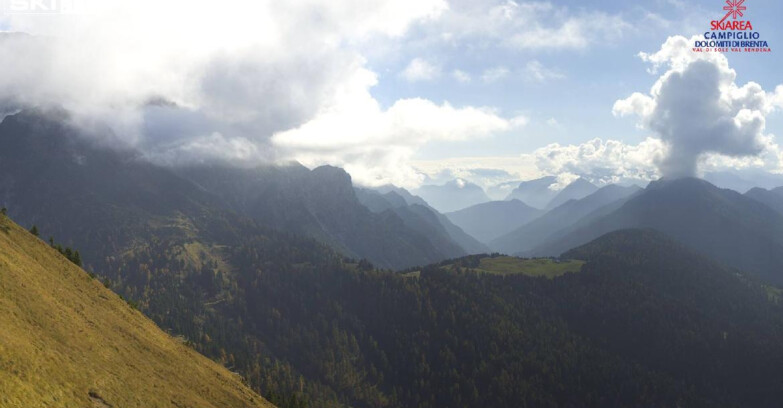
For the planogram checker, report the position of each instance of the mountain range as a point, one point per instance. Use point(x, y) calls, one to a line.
point(560, 219)
point(535, 193)
point(48, 167)
point(543, 194)
point(452, 196)
point(418, 215)
point(323, 204)
point(491, 220)
point(771, 198)
point(578, 189)
point(666, 296)
point(721, 223)
point(681, 325)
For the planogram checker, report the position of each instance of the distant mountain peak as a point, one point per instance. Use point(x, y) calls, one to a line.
point(462, 184)
point(333, 171)
point(578, 189)
point(535, 193)
point(733, 228)
point(487, 221)
point(681, 183)
point(580, 182)
point(453, 195)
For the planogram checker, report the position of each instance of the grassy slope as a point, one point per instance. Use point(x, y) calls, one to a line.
point(64, 337)
point(506, 265)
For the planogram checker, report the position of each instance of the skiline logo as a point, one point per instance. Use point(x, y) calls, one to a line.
point(731, 33)
point(43, 7)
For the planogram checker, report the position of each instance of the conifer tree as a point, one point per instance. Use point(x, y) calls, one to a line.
point(77, 259)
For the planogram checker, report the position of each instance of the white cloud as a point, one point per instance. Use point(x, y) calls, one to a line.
point(519, 121)
point(563, 180)
point(420, 70)
point(461, 76)
point(377, 146)
point(214, 147)
point(600, 161)
point(245, 69)
point(637, 103)
point(496, 74)
point(696, 108)
point(537, 72)
point(533, 25)
point(484, 171)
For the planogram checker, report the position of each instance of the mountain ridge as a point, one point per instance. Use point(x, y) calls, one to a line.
point(488, 221)
point(719, 222)
point(452, 196)
point(417, 213)
point(560, 219)
point(68, 340)
point(576, 190)
point(323, 204)
point(535, 193)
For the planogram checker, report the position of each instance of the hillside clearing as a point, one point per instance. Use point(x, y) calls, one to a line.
point(539, 267)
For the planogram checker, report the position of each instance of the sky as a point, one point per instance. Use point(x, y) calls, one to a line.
point(410, 92)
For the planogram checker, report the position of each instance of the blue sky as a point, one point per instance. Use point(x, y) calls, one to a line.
point(593, 77)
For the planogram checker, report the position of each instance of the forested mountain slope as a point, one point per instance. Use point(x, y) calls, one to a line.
point(719, 223)
point(417, 214)
point(562, 219)
point(68, 341)
point(645, 322)
point(307, 327)
point(323, 204)
point(113, 195)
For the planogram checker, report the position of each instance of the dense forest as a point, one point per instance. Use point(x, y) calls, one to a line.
point(646, 322)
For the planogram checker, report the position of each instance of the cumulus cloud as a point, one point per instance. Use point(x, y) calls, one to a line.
point(226, 71)
point(420, 70)
point(696, 108)
point(248, 81)
point(377, 146)
point(699, 116)
point(562, 181)
point(188, 81)
point(602, 162)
